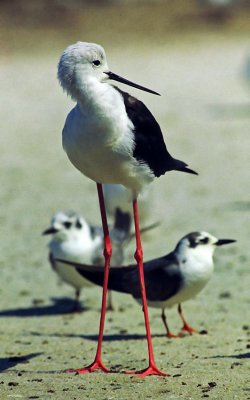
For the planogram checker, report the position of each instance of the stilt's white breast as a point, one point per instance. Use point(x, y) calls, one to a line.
point(98, 139)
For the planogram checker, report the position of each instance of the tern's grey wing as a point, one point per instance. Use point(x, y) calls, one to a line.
point(162, 279)
point(95, 274)
point(96, 231)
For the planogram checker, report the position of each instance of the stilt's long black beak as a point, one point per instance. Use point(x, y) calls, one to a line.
point(118, 78)
point(221, 242)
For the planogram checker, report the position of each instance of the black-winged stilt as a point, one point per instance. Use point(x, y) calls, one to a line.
point(111, 137)
point(169, 280)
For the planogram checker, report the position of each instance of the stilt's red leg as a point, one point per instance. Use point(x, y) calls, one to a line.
point(97, 363)
point(186, 327)
point(151, 369)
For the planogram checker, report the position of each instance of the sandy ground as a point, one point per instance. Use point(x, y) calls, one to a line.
point(204, 113)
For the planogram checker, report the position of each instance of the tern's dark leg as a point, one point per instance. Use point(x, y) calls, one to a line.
point(186, 327)
point(151, 369)
point(110, 306)
point(77, 305)
point(97, 363)
point(164, 320)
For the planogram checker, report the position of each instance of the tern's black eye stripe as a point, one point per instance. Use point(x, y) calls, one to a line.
point(204, 240)
point(78, 224)
point(67, 225)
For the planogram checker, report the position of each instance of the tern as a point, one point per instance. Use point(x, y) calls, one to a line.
point(172, 279)
point(73, 238)
point(111, 137)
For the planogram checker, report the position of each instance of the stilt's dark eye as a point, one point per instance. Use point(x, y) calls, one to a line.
point(67, 225)
point(97, 63)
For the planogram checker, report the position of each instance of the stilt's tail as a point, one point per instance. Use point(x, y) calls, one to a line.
point(183, 167)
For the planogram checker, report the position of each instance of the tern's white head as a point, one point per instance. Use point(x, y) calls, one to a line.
point(67, 225)
point(203, 244)
point(84, 63)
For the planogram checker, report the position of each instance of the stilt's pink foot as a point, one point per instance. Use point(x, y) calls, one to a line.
point(97, 364)
point(150, 370)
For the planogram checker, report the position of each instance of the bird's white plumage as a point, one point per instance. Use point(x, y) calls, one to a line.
point(196, 268)
point(72, 244)
point(118, 196)
point(98, 135)
point(80, 242)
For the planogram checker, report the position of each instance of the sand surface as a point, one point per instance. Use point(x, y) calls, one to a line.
point(205, 116)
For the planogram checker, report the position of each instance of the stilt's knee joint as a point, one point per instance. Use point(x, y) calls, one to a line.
point(138, 255)
point(107, 252)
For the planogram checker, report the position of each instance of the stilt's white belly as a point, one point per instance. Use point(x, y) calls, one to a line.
point(104, 151)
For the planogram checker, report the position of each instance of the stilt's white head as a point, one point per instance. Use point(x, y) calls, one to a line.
point(79, 63)
point(82, 62)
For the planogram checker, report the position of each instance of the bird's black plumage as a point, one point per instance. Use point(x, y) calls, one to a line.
point(150, 147)
point(162, 277)
point(122, 223)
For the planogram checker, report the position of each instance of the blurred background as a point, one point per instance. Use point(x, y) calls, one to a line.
point(195, 53)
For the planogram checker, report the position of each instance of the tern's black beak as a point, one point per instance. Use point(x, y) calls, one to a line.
point(221, 242)
point(118, 78)
point(50, 231)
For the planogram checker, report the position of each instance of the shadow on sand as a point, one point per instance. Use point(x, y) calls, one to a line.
point(10, 362)
point(240, 356)
point(106, 338)
point(63, 305)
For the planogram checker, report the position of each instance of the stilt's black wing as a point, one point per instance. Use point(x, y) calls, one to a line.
point(150, 147)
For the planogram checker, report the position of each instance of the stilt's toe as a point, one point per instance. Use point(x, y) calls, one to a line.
point(97, 364)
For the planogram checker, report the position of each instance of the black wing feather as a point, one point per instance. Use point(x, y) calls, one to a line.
point(150, 147)
point(162, 277)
